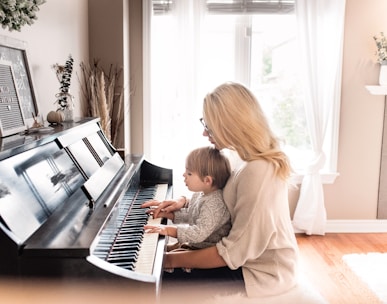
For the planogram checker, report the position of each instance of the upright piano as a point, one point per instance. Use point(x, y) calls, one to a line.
point(70, 208)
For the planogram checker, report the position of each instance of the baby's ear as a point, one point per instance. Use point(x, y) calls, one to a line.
point(208, 180)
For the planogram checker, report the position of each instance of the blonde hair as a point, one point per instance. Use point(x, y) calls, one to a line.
point(208, 161)
point(236, 121)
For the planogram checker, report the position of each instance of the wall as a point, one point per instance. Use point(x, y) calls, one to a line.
point(115, 27)
point(136, 77)
point(62, 28)
point(354, 194)
point(109, 45)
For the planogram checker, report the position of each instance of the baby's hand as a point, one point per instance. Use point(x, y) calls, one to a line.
point(156, 229)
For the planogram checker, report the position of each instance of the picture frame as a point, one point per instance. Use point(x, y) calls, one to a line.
point(11, 114)
point(15, 51)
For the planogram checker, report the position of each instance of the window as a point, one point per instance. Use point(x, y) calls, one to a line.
point(194, 48)
point(252, 49)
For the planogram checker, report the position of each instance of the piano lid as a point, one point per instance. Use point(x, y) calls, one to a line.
point(38, 176)
point(33, 184)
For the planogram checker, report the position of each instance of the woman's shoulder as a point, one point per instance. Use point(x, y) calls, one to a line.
point(256, 170)
point(255, 167)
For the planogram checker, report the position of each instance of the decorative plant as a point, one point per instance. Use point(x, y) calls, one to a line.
point(103, 97)
point(16, 13)
point(63, 73)
point(381, 44)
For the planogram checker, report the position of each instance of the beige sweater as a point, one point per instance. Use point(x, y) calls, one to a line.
point(262, 239)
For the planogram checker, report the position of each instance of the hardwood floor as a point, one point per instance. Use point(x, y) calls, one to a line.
point(322, 264)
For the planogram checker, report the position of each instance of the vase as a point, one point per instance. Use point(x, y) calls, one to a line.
point(383, 75)
point(68, 114)
point(66, 105)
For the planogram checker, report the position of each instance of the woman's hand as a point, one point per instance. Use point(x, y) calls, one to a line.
point(164, 208)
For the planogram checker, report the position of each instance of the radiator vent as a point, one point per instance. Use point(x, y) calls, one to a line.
point(11, 115)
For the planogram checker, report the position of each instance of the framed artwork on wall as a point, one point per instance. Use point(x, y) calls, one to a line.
point(15, 52)
point(11, 113)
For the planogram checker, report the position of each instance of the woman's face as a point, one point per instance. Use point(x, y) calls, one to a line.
point(207, 132)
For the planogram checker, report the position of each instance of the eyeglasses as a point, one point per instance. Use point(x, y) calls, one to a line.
point(205, 127)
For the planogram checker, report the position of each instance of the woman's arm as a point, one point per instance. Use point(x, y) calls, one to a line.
point(201, 258)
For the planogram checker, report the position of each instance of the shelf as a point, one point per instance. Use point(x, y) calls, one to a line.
point(377, 89)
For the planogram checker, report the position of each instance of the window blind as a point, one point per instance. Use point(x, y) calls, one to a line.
point(250, 6)
point(234, 6)
point(162, 6)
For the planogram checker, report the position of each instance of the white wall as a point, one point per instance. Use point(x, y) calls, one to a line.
point(61, 29)
point(354, 194)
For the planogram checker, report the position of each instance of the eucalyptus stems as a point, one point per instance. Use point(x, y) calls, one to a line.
point(63, 73)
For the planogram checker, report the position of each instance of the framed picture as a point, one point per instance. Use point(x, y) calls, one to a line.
point(11, 114)
point(15, 51)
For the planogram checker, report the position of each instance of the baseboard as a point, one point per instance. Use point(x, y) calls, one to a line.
point(356, 226)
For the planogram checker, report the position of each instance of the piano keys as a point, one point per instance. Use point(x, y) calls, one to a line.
point(70, 208)
point(120, 243)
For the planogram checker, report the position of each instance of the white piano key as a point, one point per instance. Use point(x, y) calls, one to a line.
point(148, 247)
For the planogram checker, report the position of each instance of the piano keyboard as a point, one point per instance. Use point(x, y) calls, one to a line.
point(124, 242)
point(148, 246)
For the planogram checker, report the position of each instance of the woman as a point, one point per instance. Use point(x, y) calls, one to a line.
point(261, 243)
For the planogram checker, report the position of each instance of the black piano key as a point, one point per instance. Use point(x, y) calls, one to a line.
point(129, 266)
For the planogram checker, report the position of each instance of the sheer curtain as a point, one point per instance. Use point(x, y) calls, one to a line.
point(176, 102)
point(320, 31)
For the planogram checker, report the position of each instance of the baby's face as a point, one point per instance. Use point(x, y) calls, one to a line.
point(193, 181)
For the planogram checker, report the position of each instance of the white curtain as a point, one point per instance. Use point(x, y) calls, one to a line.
point(320, 31)
point(176, 103)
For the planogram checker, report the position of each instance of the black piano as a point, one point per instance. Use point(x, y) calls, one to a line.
point(70, 208)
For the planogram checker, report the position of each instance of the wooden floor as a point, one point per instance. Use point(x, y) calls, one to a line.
point(321, 262)
point(322, 265)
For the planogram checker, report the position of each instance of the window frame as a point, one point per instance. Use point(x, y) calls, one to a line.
point(329, 174)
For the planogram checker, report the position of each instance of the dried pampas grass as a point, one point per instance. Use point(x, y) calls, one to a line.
point(103, 97)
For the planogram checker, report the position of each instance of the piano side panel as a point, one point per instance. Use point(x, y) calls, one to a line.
point(33, 184)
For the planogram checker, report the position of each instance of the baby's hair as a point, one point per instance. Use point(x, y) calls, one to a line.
point(208, 161)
